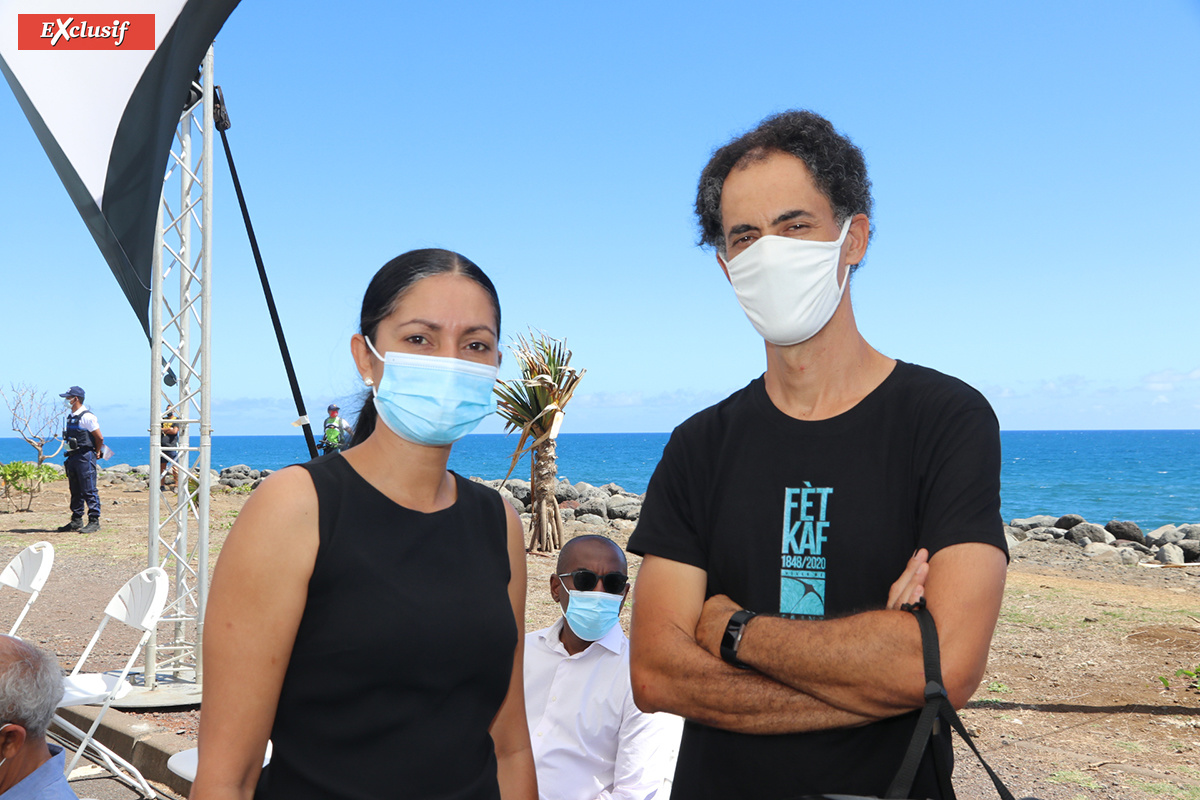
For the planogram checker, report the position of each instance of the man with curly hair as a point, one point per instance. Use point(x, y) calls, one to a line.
point(774, 527)
point(30, 688)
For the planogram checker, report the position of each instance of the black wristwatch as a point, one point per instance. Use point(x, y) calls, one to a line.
point(734, 630)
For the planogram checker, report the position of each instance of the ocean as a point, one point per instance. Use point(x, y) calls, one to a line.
point(1150, 477)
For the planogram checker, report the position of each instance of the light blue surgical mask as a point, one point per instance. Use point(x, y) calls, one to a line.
point(592, 614)
point(433, 400)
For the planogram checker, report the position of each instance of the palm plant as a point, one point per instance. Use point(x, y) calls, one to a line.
point(534, 405)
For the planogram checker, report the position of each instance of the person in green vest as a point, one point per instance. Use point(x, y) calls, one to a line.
point(337, 432)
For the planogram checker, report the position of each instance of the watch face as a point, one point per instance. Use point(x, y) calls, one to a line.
point(733, 637)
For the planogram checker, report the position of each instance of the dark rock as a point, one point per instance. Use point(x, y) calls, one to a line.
point(1129, 556)
point(1190, 531)
point(1068, 521)
point(512, 501)
point(565, 491)
point(590, 519)
point(1126, 530)
point(621, 507)
point(1045, 534)
point(1167, 534)
point(1038, 521)
point(1136, 546)
point(519, 488)
point(1191, 550)
point(1169, 554)
point(1090, 531)
point(1055, 533)
point(1016, 534)
point(612, 488)
point(593, 505)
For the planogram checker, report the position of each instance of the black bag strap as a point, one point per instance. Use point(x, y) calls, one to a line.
point(937, 704)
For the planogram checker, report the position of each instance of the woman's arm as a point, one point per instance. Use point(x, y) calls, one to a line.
point(510, 729)
point(254, 607)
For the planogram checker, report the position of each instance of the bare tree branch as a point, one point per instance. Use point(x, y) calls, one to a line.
point(35, 417)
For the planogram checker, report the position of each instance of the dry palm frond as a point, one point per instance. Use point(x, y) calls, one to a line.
point(534, 402)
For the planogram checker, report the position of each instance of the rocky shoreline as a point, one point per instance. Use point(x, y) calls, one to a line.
point(582, 502)
point(1118, 541)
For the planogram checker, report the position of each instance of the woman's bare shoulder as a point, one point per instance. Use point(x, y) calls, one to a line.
point(282, 508)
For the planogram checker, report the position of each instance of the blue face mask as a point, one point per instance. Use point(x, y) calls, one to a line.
point(592, 614)
point(433, 400)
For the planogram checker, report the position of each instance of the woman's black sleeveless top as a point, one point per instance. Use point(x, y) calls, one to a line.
point(404, 652)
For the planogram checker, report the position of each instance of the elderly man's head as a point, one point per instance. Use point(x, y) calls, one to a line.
point(31, 685)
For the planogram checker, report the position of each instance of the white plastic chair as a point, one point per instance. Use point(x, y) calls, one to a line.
point(185, 762)
point(27, 572)
point(139, 604)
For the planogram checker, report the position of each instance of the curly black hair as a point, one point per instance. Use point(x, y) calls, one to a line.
point(836, 164)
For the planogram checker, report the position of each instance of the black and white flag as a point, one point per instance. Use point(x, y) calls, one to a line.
point(103, 83)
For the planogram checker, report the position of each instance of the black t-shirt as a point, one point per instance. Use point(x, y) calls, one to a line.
point(813, 520)
point(170, 440)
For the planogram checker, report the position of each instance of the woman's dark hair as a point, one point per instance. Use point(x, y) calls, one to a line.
point(389, 286)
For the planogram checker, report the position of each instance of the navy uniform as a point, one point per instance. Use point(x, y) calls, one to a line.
point(83, 442)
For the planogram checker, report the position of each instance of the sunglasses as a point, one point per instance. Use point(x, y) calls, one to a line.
point(585, 580)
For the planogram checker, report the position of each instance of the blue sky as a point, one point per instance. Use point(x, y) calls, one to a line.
point(1035, 169)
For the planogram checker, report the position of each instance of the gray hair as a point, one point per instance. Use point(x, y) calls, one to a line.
point(31, 686)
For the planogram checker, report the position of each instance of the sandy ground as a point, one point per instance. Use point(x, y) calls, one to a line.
point(1072, 704)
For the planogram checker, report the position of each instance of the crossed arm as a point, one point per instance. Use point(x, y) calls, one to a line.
point(811, 675)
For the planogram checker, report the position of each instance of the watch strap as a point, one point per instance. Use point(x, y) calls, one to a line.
point(734, 630)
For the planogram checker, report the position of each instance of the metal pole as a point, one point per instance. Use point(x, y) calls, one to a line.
point(181, 339)
point(156, 373)
point(183, 487)
point(205, 464)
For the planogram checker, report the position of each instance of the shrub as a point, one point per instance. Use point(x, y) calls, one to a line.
point(24, 478)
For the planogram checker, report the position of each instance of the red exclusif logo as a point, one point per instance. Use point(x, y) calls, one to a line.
point(85, 32)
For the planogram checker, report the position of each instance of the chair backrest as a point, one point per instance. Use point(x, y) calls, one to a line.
point(30, 568)
point(139, 603)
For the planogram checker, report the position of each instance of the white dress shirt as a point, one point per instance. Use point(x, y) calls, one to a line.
point(589, 739)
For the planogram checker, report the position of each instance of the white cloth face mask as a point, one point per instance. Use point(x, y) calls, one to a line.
point(788, 287)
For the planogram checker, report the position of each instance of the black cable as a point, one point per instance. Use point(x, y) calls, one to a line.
point(221, 121)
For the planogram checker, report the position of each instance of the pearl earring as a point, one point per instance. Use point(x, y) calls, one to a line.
point(369, 381)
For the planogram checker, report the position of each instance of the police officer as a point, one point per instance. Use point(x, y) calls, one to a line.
point(337, 431)
point(84, 443)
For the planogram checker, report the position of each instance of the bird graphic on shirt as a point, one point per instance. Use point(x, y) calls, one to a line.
point(799, 596)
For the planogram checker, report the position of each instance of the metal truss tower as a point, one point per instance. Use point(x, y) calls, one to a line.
point(180, 358)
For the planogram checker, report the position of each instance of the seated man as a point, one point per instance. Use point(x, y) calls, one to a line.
point(30, 688)
point(589, 739)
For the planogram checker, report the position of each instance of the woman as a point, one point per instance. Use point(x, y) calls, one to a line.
point(357, 616)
